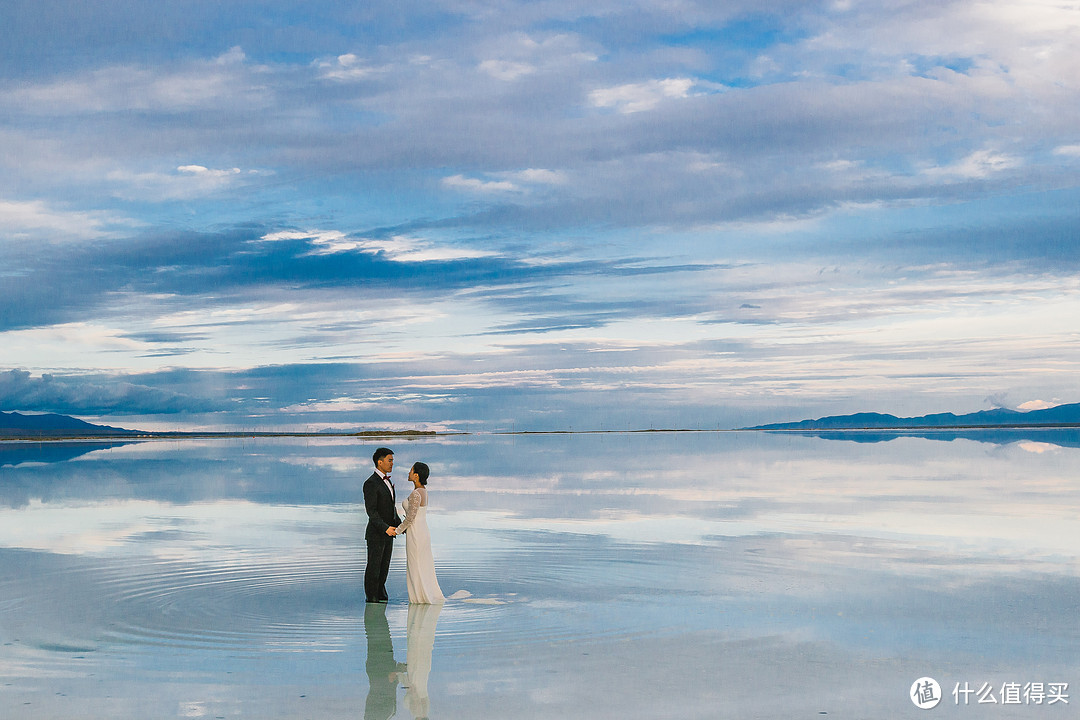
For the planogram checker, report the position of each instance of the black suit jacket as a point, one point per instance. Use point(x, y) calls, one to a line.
point(381, 511)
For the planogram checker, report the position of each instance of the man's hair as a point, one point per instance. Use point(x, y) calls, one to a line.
point(422, 470)
point(380, 454)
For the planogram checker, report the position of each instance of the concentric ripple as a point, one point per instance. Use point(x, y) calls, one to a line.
point(248, 602)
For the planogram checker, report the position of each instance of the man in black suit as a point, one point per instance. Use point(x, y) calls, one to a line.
point(382, 525)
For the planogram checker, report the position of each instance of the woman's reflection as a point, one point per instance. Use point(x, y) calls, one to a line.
point(420, 633)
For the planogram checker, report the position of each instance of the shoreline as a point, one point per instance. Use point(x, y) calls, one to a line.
point(406, 434)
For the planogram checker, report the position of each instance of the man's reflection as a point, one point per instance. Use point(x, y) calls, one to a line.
point(382, 669)
point(420, 631)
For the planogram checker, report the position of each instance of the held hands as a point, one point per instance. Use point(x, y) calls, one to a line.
point(391, 531)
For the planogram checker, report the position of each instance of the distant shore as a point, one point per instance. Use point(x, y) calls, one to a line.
point(137, 435)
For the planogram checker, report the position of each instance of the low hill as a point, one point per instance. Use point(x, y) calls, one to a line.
point(1060, 416)
point(17, 425)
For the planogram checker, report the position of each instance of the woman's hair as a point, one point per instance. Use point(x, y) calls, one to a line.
point(422, 470)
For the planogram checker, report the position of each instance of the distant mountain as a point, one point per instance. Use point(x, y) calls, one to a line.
point(1060, 416)
point(17, 425)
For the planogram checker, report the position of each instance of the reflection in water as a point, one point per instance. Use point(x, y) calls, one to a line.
point(1061, 437)
point(17, 452)
point(382, 669)
point(384, 672)
point(223, 578)
point(421, 640)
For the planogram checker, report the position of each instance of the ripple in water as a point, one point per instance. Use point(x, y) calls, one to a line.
point(249, 602)
point(255, 602)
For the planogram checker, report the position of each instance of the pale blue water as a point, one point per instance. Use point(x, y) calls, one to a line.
point(703, 575)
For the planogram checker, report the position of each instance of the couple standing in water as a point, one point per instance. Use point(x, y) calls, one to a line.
point(385, 523)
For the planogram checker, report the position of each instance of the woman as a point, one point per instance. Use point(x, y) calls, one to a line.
point(419, 565)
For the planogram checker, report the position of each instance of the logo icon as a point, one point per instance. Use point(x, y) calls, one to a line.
point(925, 693)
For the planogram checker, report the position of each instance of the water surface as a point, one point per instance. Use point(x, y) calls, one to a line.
point(742, 575)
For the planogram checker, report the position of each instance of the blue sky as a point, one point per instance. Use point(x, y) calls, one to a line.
point(536, 215)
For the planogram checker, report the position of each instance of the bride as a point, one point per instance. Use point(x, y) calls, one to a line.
point(419, 565)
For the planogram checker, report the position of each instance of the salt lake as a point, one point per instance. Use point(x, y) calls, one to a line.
point(614, 575)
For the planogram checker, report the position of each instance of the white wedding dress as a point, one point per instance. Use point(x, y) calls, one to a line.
point(419, 564)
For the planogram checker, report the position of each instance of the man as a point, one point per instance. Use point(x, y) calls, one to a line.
point(382, 525)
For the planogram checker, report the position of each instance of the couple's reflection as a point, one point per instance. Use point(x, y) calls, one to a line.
point(384, 673)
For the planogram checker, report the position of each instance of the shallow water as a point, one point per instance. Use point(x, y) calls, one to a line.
point(649, 575)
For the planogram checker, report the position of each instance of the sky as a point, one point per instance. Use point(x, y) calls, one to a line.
point(545, 215)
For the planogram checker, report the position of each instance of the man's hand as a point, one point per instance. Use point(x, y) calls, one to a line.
point(391, 531)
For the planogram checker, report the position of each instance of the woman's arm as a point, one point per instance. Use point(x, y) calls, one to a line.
point(411, 508)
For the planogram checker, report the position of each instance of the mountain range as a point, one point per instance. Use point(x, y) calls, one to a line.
point(1059, 416)
point(17, 425)
point(14, 425)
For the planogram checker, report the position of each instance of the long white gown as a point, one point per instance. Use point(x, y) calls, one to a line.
point(419, 564)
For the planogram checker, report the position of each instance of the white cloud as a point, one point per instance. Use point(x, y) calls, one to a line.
point(224, 80)
point(1036, 405)
point(979, 164)
point(516, 181)
point(188, 181)
point(539, 176)
point(404, 249)
point(840, 166)
point(206, 172)
point(461, 182)
point(345, 67)
point(398, 248)
point(518, 54)
point(506, 70)
point(315, 236)
point(21, 219)
point(1068, 150)
point(350, 404)
point(324, 242)
point(638, 97)
point(1037, 448)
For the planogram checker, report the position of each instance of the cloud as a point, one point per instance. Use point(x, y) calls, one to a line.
point(536, 187)
point(207, 83)
point(540, 176)
point(38, 219)
point(376, 401)
point(516, 182)
point(399, 248)
point(412, 117)
point(187, 182)
point(639, 97)
point(506, 70)
point(346, 67)
point(1036, 405)
point(531, 55)
point(979, 164)
point(80, 395)
point(460, 182)
point(209, 275)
